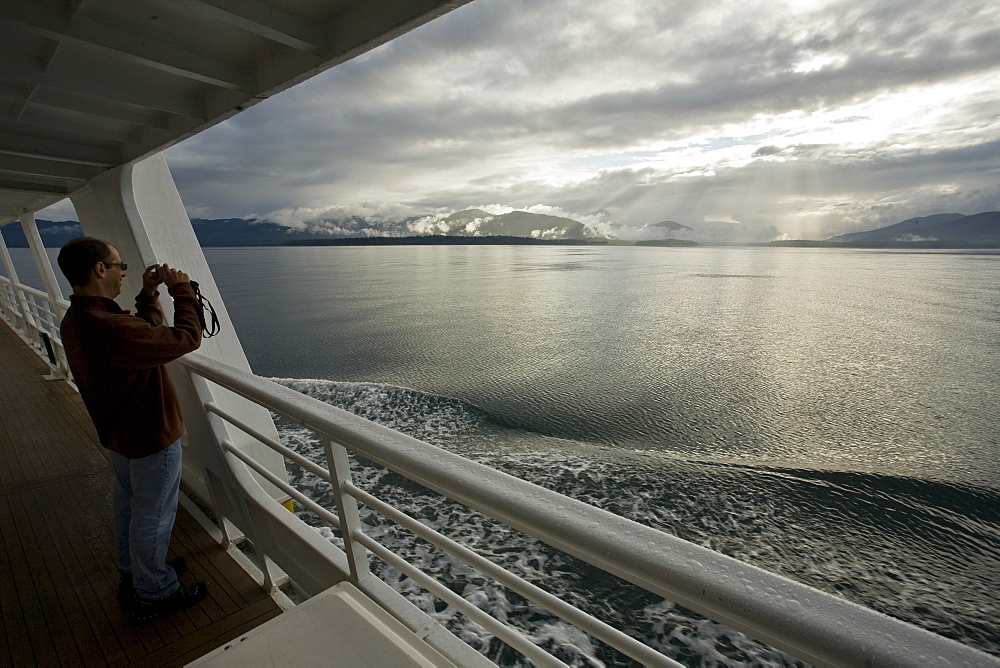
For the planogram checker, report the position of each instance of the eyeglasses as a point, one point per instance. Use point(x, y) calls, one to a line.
point(123, 265)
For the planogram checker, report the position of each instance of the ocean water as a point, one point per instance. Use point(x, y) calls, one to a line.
point(830, 415)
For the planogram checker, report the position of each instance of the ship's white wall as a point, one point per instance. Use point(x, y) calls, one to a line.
point(138, 209)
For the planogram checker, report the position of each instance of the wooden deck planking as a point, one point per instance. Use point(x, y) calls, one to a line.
point(44, 569)
point(207, 639)
point(59, 572)
point(15, 620)
point(93, 591)
point(32, 610)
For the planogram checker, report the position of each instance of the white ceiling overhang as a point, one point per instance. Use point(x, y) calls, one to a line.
point(87, 85)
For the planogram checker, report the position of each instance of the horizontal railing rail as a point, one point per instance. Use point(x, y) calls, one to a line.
point(815, 626)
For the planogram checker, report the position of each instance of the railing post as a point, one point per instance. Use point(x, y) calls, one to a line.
point(62, 362)
point(339, 465)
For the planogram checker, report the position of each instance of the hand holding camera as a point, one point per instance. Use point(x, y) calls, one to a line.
point(163, 273)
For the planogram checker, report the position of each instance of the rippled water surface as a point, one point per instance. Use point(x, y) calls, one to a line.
point(826, 414)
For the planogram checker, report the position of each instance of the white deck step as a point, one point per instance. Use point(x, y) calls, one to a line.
point(340, 627)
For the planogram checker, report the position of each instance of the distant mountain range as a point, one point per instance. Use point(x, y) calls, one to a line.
point(251, 232)
point(475, 222)
point(941, 230)
point(671, 226)
point(54, 235)
point(218, 232)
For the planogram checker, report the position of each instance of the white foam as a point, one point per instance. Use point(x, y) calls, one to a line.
point(723, 508)
point(431, 418)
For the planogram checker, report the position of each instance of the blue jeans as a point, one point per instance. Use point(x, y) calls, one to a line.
point(145, 506)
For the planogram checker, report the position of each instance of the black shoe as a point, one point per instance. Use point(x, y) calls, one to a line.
point(125, 588)
point(144, 609)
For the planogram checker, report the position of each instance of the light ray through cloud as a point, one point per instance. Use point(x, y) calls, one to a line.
point(807, 117)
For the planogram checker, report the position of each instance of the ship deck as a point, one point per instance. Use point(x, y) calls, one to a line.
point(57, 564)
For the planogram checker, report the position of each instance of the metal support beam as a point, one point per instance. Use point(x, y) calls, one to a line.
point(27, 321)
point(63, 151)
point(32, 187)
point(41, 259)
point(261, 19)
point(31, 166)
point(127, 45)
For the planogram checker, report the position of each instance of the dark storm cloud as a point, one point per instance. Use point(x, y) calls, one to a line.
point(764, 151)
point(643, 109)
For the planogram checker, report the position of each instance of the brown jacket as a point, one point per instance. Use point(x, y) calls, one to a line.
point(117, 362)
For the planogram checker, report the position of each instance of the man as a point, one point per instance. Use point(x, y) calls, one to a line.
point(118, 362)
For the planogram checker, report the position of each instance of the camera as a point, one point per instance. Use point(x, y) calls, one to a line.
point(160, 273)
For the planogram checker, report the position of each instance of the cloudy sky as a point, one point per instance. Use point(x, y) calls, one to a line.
point(802, 118)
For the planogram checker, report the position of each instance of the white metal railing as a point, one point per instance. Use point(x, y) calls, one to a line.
point(47, 314)
point(35, 317)
point(346, 495)
point(812, 625)
point(10, 306)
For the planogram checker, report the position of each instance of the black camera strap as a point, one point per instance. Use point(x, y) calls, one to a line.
point(208, 331)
